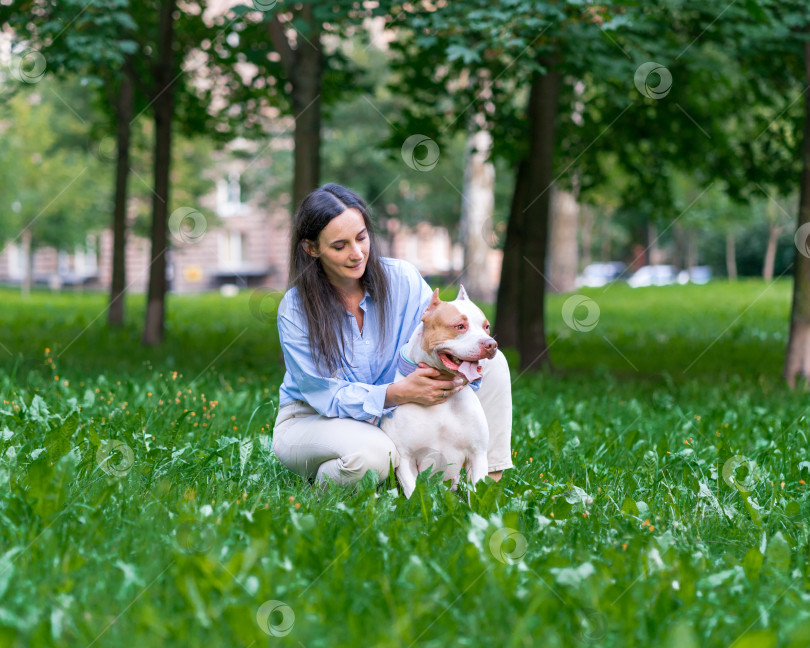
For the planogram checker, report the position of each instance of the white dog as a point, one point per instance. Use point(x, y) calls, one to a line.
point(454, 338)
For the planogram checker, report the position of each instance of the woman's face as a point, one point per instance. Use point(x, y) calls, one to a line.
point(343, 247)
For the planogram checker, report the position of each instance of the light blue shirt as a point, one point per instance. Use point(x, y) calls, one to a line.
point(358, 391)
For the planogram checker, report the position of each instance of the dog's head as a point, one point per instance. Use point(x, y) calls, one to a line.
point(456, 334)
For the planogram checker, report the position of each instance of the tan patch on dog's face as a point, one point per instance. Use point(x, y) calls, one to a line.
point(441, 323)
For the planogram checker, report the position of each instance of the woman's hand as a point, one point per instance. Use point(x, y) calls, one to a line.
point(424, 387)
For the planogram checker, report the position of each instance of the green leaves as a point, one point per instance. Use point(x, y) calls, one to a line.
point(58, 441)
point(778, 553)
point(554, 437)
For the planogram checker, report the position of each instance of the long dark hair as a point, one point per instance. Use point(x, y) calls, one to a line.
point(320, 300)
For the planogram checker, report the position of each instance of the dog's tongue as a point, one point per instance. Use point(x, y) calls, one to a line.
point(469, 370)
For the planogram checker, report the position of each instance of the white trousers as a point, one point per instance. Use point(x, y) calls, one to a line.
point(343, 449)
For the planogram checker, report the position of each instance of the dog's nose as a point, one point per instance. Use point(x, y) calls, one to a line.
point(489, 346)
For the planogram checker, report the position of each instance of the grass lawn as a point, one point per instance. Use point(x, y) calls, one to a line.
point(659, 496)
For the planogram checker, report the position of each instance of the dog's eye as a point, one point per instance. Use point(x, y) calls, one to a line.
point(460, 327)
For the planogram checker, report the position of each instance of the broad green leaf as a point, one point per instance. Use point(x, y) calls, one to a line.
point(245, 450)
point(778, 553)
point(752, 564)
point(629, 506)
point(757, 639)
point(554, 437)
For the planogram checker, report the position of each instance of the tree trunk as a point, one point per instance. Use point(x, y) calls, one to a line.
point(531, 304)
point(164, 108)
point(506, 314)
point(774, 232)
point(586, 229)
point(691, 250)
point(731, 256)
point(562, 248)
point(797, 361)
point(27, 252)
point(123, 115)
point(655, 255)
point(306, 77)
point(477, 206)
point(606, 251)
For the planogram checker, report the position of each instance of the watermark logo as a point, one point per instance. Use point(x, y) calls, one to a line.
point(645, 79)
point(490, 232)
point(801, 240)
point(28, 66)
point(275, 618)
point(264, 304)
point(749, 481)
point(428, 151)
point(107, 148)
point(508, 545)
point(187, 225)
point(264, 5)
point(115, 457)
point(195, 537)
point(583, 324)
point(592, 626)
point(431, 459)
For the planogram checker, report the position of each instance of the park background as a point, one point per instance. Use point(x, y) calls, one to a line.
point(151, 156)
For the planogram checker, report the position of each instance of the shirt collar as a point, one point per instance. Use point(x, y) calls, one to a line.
point(362, 303)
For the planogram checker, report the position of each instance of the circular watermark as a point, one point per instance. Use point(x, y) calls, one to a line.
point(264, 304)
point(107, 149)
point(730, 468)
point(489, 232)
point(187, 225)
point(645, 77)
point(195, 537)
point(431, 459)
point(28, 66)
point(801, 239)
point(115, 457)
point(592, 626)
point(583, 324)
point(264, 5)
point(498, 545)
point(427, 159)
point(282, 614)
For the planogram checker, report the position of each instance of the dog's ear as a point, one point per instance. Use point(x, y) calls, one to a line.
point(462, 294)
point(434, 303)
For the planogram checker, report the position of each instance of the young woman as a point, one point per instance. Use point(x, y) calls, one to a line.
point(341, 324)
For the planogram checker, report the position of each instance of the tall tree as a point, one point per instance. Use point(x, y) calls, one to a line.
point(165, 70)
point(528, 55)
point(313, 71)
point(797, 362)
point(173, 37)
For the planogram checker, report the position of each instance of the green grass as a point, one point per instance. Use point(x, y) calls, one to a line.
point(616, 528)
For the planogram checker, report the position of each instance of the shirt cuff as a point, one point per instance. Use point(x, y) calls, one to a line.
point(374, 404)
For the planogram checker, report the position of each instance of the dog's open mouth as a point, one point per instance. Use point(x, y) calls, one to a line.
point(470, 370)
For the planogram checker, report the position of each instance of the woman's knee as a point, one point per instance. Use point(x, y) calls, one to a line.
point(378, 454)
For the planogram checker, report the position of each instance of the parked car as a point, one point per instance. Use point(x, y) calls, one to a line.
point(596, 275)
point(662, 275)
point(653, 275)
point(699, 274)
